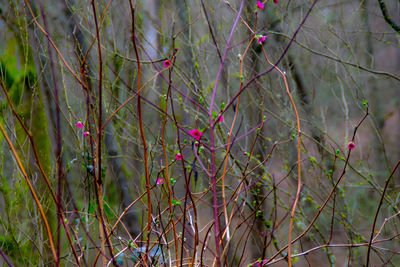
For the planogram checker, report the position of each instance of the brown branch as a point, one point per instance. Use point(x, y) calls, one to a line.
point(387, 17)
point(41, 169)
point(53, 44)
point(377, 211)
point(98, 183)
point(142, 134)
point(328, 197)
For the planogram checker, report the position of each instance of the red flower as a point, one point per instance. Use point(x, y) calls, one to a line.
point(79, 124)
point(167, 63)
point(196, 134)
point(351, 145)
point(160, 180)
point(276, 1)
point(220, 119)
point(260, 5)
point(262, 39)
point(85, 134)
point(178, 156)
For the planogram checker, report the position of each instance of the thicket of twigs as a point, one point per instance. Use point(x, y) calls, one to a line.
point(199, 133)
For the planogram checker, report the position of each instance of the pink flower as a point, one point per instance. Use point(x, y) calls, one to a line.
point(178, 156)
point(85, 134)
point(176, 48)
point(196, 134)
point(167, 63)
point(262, 262)
point(351, 145)
point(276, 1)
point(220, 119)
point(79, 124)
point(262, 39)
point(260, 5)
point(160, 180)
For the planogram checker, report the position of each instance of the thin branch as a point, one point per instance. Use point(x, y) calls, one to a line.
point(377, 211)
point(33, 193)
point(387, 17)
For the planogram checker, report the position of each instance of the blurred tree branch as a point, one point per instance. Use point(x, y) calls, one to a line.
point(387, 17)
